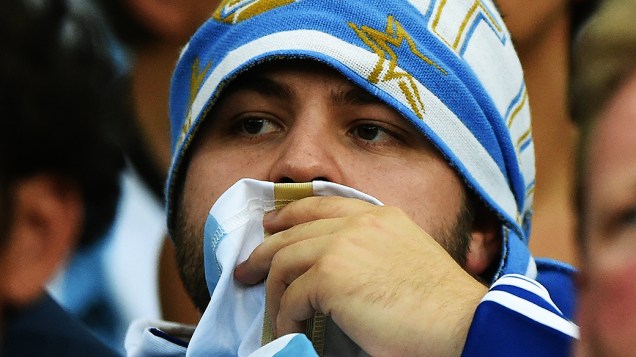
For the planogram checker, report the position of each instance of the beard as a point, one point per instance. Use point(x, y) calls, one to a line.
point(190, 259)
point(454, 238)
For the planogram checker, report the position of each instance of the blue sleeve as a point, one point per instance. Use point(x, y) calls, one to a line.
point(518, 317)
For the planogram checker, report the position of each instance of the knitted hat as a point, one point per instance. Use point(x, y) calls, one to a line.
point(448, 66)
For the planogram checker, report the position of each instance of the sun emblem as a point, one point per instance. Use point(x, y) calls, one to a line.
point(235, 11)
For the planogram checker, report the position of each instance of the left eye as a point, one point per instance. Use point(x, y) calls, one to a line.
point(620, 224)
point(375, 134)
point(368, 132)
point(255, 126)
point(629, 217)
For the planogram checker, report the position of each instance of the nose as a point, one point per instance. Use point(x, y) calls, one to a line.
point(307, 156)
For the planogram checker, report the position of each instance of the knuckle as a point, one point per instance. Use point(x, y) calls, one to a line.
point(328, 264)
point(279, 259)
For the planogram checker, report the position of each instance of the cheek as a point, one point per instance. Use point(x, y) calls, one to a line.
point(205, 181)
point(610, 303)
point(431, 196)
point(212, 170)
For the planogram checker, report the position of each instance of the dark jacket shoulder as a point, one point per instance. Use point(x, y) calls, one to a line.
point(44, 328)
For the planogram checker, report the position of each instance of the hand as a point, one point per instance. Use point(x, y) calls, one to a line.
point(383, 280)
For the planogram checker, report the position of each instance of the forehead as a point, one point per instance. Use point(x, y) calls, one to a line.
point(612, 152)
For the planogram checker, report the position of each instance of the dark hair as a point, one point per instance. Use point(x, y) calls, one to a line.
point(56, 83)
point(5, 217)
point(580, 12)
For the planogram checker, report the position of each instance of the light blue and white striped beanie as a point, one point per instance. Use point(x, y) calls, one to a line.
point(448, 66)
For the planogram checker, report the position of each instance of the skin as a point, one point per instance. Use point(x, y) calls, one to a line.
point(607, 291)
point(172, 20)
point(46, 220)
point(374, 269)
point(4, 230)
point(529, 21)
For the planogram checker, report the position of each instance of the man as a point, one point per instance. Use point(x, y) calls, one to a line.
point(604, 92)
point(418, 104)
point(59, 169)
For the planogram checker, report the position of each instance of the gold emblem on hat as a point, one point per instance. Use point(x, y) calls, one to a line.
point(235, 11)
point(196, 79)
point(384, 45)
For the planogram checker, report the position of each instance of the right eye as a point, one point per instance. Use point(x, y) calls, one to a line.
point(626, 221)
point(255, 126)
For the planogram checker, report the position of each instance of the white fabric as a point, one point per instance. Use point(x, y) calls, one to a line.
point(132, 258)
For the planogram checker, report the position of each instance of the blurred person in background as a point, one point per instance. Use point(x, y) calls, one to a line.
point(604, 104)
point(153, 34)
point(59, 168)
point(118, 281)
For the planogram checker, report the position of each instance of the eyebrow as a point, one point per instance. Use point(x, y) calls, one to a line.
point(354, 95)
point(262, 85)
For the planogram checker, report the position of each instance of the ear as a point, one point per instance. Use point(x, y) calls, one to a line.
point(46, 223)
point(172, 20)
point(485, 243)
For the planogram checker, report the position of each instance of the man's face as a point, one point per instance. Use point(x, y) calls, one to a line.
point(607, 312)
point(303, 122)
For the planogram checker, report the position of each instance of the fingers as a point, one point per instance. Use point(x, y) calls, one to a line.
point(300, 220)
point(304, 258)
point(296, 305)
point(257, 266)
point(350, 260)
point(291, 270)
point(314, 208)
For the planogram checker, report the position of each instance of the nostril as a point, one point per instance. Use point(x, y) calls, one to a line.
point(321, 178)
